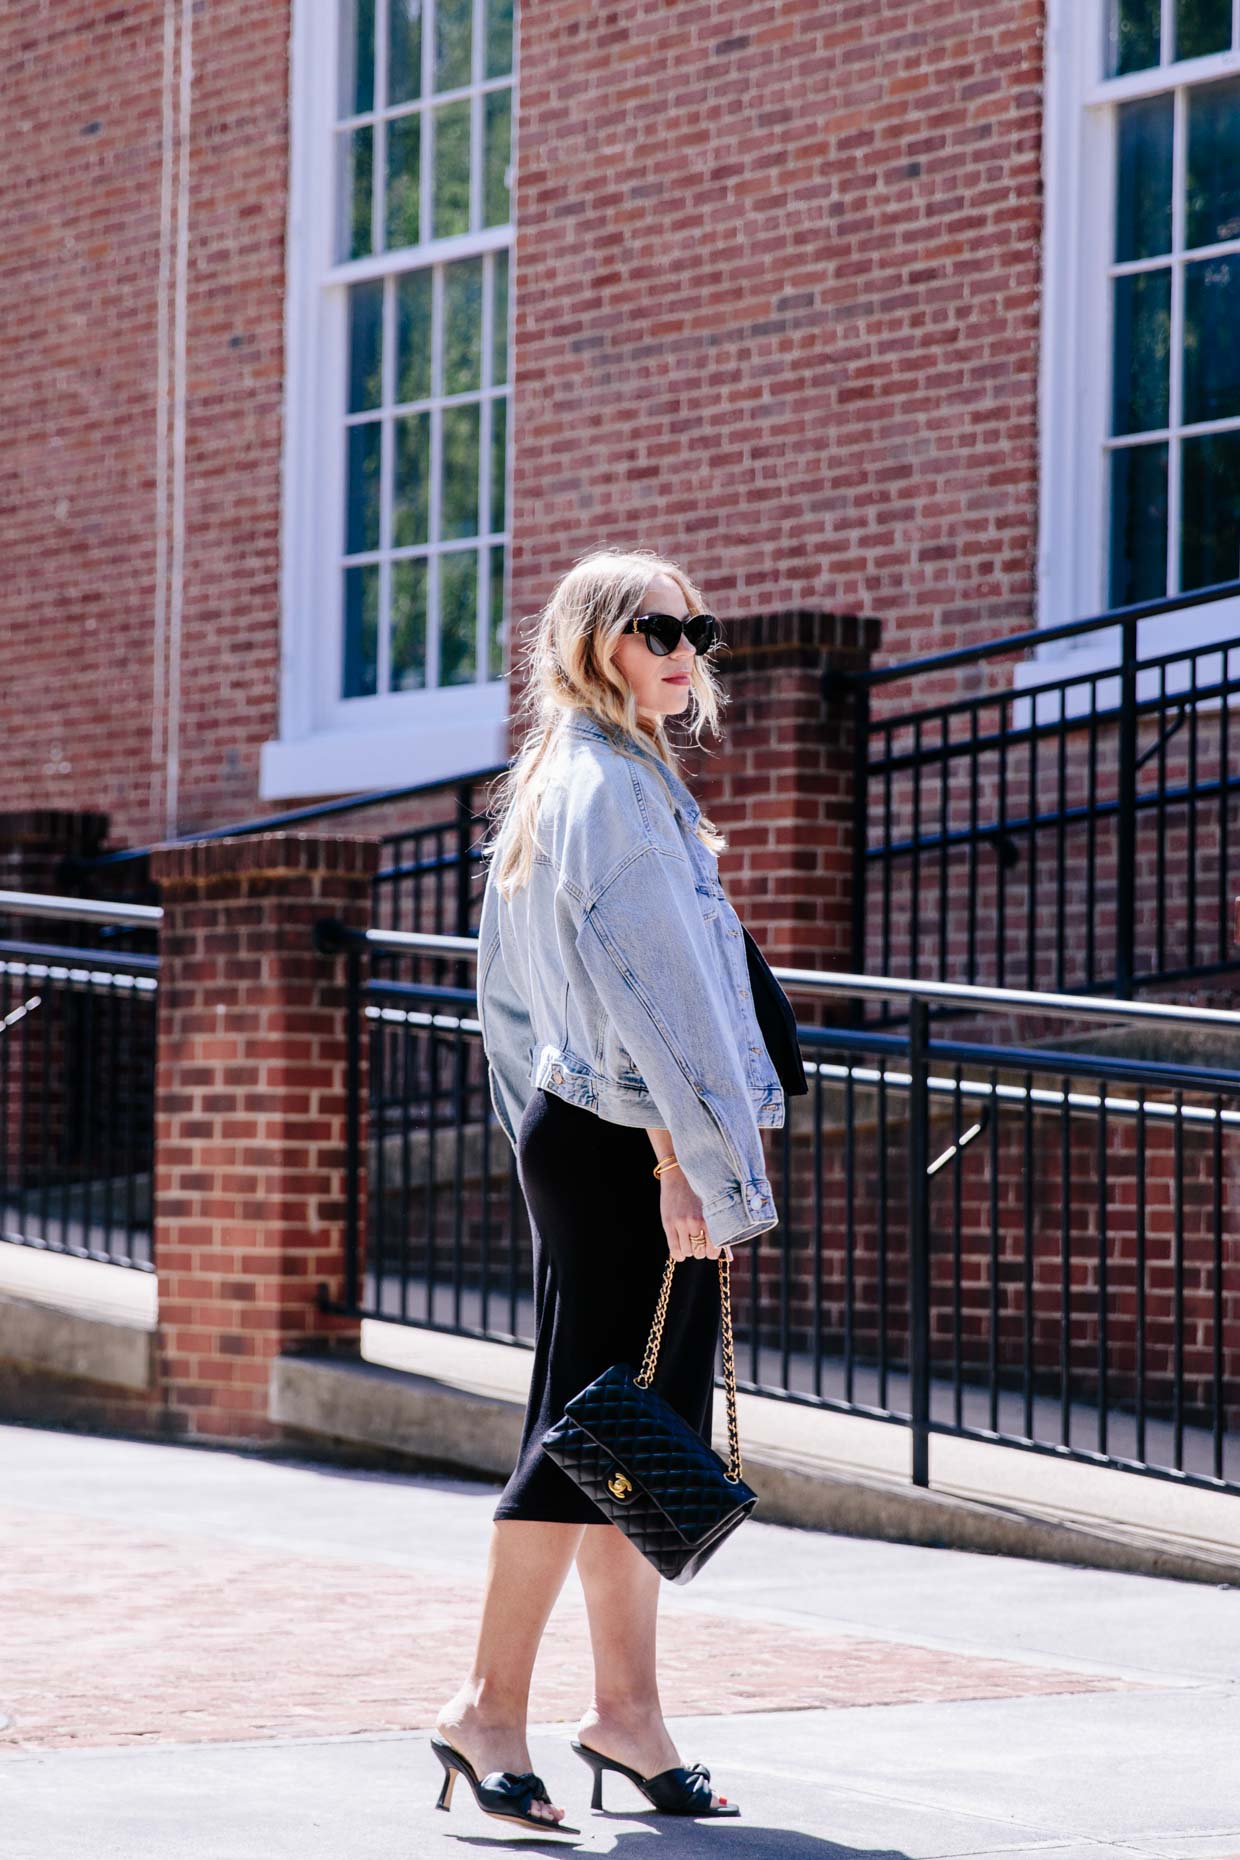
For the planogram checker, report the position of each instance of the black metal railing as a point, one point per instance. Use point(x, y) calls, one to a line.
point(429, 877)
point(1076, 834)
point(77, 1080)
point(997, 1242)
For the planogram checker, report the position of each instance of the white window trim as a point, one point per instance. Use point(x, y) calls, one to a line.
point(1078, 186)
point(399, 738)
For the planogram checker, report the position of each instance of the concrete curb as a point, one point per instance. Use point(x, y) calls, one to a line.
point(76, 1344)
point(455, 1429)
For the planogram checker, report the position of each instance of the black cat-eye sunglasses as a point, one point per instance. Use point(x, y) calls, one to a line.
point(662, 632)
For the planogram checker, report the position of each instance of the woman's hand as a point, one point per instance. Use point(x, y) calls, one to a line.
point(682, 1215)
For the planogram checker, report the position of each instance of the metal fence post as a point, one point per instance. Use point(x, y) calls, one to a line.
point(861, 817)
point(353, 1124)
point(919, 1240)
point(1126, 834)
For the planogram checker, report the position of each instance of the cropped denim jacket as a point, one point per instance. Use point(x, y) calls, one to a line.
point(617, 978)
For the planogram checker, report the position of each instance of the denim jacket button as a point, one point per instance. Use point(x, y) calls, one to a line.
point(557, 1077)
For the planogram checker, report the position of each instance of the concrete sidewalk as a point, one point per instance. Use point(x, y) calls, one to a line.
point(210, 1655)
point(456, 1403)
point(453, 1403)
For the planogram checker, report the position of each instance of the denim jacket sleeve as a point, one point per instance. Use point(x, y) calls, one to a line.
point(643, 943)
point(507, 1032)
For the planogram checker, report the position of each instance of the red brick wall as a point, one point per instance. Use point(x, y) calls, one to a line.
point(83, 301)
point(803, 354)
point(251, 1118)
point(776, 313)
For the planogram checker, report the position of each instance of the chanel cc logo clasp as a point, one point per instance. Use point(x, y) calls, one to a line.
point(619, 1486)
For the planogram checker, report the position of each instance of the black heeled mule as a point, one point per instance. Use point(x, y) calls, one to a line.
point(678, 1791)
point(506, 1794)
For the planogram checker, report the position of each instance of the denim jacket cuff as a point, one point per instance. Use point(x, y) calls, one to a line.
point(741, 1214)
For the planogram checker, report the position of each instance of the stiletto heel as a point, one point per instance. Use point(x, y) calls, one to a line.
point(505, 1794)
point(678, 1791)
point(449, 1784)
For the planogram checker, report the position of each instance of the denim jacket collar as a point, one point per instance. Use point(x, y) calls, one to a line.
point(580, 724)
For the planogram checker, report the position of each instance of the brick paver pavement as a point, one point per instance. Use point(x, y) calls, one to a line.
point(116, 1634)
point(212, 1656)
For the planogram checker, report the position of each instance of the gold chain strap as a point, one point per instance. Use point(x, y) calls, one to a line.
point(646, 1374)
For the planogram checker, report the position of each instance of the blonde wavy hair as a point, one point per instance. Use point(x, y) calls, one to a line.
point(569, 665)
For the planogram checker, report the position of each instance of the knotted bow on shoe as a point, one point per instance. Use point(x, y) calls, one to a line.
point(512, 1789)
point(681, 1790)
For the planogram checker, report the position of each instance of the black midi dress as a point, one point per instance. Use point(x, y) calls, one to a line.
point(600, 1253)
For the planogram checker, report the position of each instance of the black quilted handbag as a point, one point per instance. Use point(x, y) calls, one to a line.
point(645, 1468)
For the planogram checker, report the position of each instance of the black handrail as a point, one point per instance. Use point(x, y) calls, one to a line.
point(942, 779)
point(293, 817)
point(1033, 1289)
point(1039, 636)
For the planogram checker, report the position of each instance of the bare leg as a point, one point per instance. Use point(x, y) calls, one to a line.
point(625, 1718)
point(485, 1718)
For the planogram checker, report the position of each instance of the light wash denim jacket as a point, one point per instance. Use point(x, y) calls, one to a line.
point(617, 977)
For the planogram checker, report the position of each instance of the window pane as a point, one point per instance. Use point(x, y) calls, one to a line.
point(498, 61)
point(1202, 26)
point(458, 514)
point(458, 612)
point(413, 335)
point(411, 493)
point(362, 488)
point(1212, 339)
point(404, 78)
point(497, 134)
point(1210, 526)
point(453, 33)
point(408, 626)
point(499, 458)
point(361, 631)
point(1133, 35)
point(1143, 198)
point(450, 211)
point(365, 345)
point(1213, 188)
point(355, 156)
point(404, 142)
point(1142, 346)
point(1138, 524)
point(462, 327)
point(499, 322)
point(496, 661)
point(357, 58)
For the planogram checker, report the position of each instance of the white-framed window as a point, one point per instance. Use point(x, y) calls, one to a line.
point(1140, 364)
point(396, 436)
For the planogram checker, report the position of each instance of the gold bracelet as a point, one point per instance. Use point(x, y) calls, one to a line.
point(664, 1163)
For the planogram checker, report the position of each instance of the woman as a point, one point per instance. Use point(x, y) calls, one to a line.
point(629, 1072)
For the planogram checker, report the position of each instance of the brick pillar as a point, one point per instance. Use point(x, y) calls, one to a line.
point(250, 1117)
point(782, 786)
